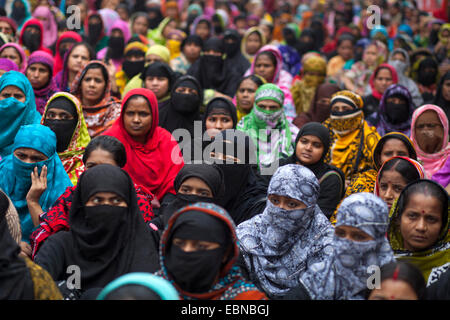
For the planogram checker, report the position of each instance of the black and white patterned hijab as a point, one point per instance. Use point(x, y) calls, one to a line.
point(278, 245)
point(345, 275)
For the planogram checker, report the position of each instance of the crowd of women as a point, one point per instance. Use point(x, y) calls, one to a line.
point(208, 149)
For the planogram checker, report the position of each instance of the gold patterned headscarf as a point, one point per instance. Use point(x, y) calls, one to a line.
point(353, 139)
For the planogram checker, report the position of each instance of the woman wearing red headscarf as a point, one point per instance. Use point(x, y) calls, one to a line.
point(153, 155)
point(32, 37)
point(383, 76)
point(63, 44)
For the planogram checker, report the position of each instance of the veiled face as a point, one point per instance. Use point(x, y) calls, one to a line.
point(14, 92)
point(195, 186)
point(429, 131)
point(137, 118)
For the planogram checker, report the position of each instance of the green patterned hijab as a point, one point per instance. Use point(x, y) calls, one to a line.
point(269, 129)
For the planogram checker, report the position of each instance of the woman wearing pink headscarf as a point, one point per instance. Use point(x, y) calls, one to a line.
point(429, 134)
point(15, 53)
point(49, 23)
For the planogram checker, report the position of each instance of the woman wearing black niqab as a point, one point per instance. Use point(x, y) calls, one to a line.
point(105, 240)
point(20, 278)
point(184, 106)
point(234, 153)
point(212, 72)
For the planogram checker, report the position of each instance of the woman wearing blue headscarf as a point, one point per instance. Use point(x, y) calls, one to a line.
point(34, 151)
point(359, 242)
point(291, 234)
point(17, 108)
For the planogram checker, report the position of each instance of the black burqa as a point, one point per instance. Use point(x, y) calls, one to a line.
point(104, 241)
point(216, 106)
point(232, 47)
point(209, 173)
point(211, 70)
point(183, 109)
point(245, 190)
point(15, 278)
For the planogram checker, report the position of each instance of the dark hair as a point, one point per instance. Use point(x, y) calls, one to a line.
point(132, 292)
point(405, 168)
point(270, 55)
point(380, 145)
point(344, 37)
point(96, 65)
point(257, 80)
point(89, 48)
point(404, 271)
point(109, 144)
point(139, 14)
point(429, 188)
point(135, 96)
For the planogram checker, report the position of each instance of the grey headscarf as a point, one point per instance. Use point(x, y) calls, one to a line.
point(344, 275)
point(401, 68)
point(278, 245)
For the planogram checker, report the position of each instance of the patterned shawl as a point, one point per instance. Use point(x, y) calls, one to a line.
point(352, 139)
point(231, 284)
point(278, 245)
point(380, 118)
point(433, 261)
point(303, 90)
point(271, 134)
point(100, 117)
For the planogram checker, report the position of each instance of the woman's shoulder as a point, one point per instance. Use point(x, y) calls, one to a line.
point(43, 285)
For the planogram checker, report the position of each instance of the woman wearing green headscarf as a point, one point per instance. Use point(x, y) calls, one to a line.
point(159, 34)
point(17, 108)
point(268, 126)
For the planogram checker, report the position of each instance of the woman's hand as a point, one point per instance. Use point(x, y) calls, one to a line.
point(38, 185)
point(111, 70)
point(25, 249)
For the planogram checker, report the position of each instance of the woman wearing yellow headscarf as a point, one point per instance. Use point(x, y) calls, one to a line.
point(64, 115)
point(352, 139)
point(442, 48)
point(313, 74)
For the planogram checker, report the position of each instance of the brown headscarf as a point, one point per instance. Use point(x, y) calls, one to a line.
point(317, 112)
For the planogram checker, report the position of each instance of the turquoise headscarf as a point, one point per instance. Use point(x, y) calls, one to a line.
point(13, 113)
point(26, 17)
point(15, 175)
point(160, 286)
